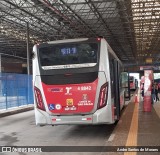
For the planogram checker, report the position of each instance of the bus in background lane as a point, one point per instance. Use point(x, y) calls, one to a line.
point(133, 83)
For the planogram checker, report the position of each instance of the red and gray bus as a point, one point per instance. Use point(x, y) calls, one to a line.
point(77, 81)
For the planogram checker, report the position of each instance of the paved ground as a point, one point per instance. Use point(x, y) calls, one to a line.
point(20, 130)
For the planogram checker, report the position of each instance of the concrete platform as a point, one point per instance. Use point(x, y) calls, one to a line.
point(137, 129)
point(16, 110)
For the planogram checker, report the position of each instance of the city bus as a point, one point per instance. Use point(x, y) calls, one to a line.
point(77, 81)
point(133, 83)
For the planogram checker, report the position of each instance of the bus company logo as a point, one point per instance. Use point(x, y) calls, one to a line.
point(69, 102)
point(55, 90)
point(58, 107)
point(68, 89)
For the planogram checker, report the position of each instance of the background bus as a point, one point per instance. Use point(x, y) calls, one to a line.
point(77, 81)
point(133, 83)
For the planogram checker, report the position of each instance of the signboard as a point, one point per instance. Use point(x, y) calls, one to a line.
point(149, 60)
point(149, 68)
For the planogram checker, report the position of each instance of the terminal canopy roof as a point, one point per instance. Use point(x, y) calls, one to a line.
point(131, 27)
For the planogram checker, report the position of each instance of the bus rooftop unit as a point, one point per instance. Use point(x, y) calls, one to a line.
point(77, 81)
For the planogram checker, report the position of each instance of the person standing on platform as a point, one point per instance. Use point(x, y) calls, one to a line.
point(142, 89)
point(153, 96)
point(156, 92)
point(159, 87)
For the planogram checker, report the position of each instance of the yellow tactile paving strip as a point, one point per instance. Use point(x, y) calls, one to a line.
point(132, 136)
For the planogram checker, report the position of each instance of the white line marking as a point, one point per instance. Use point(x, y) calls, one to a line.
point(111, 137)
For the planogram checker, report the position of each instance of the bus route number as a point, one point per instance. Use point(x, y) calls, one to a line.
point(84, 88)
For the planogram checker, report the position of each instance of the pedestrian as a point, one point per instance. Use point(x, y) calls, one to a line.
point(156, 92)
point(159, 87)
point(142, 88)
point(153, 93)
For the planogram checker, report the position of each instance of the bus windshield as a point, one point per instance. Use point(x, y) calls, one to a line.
point(68, 54)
